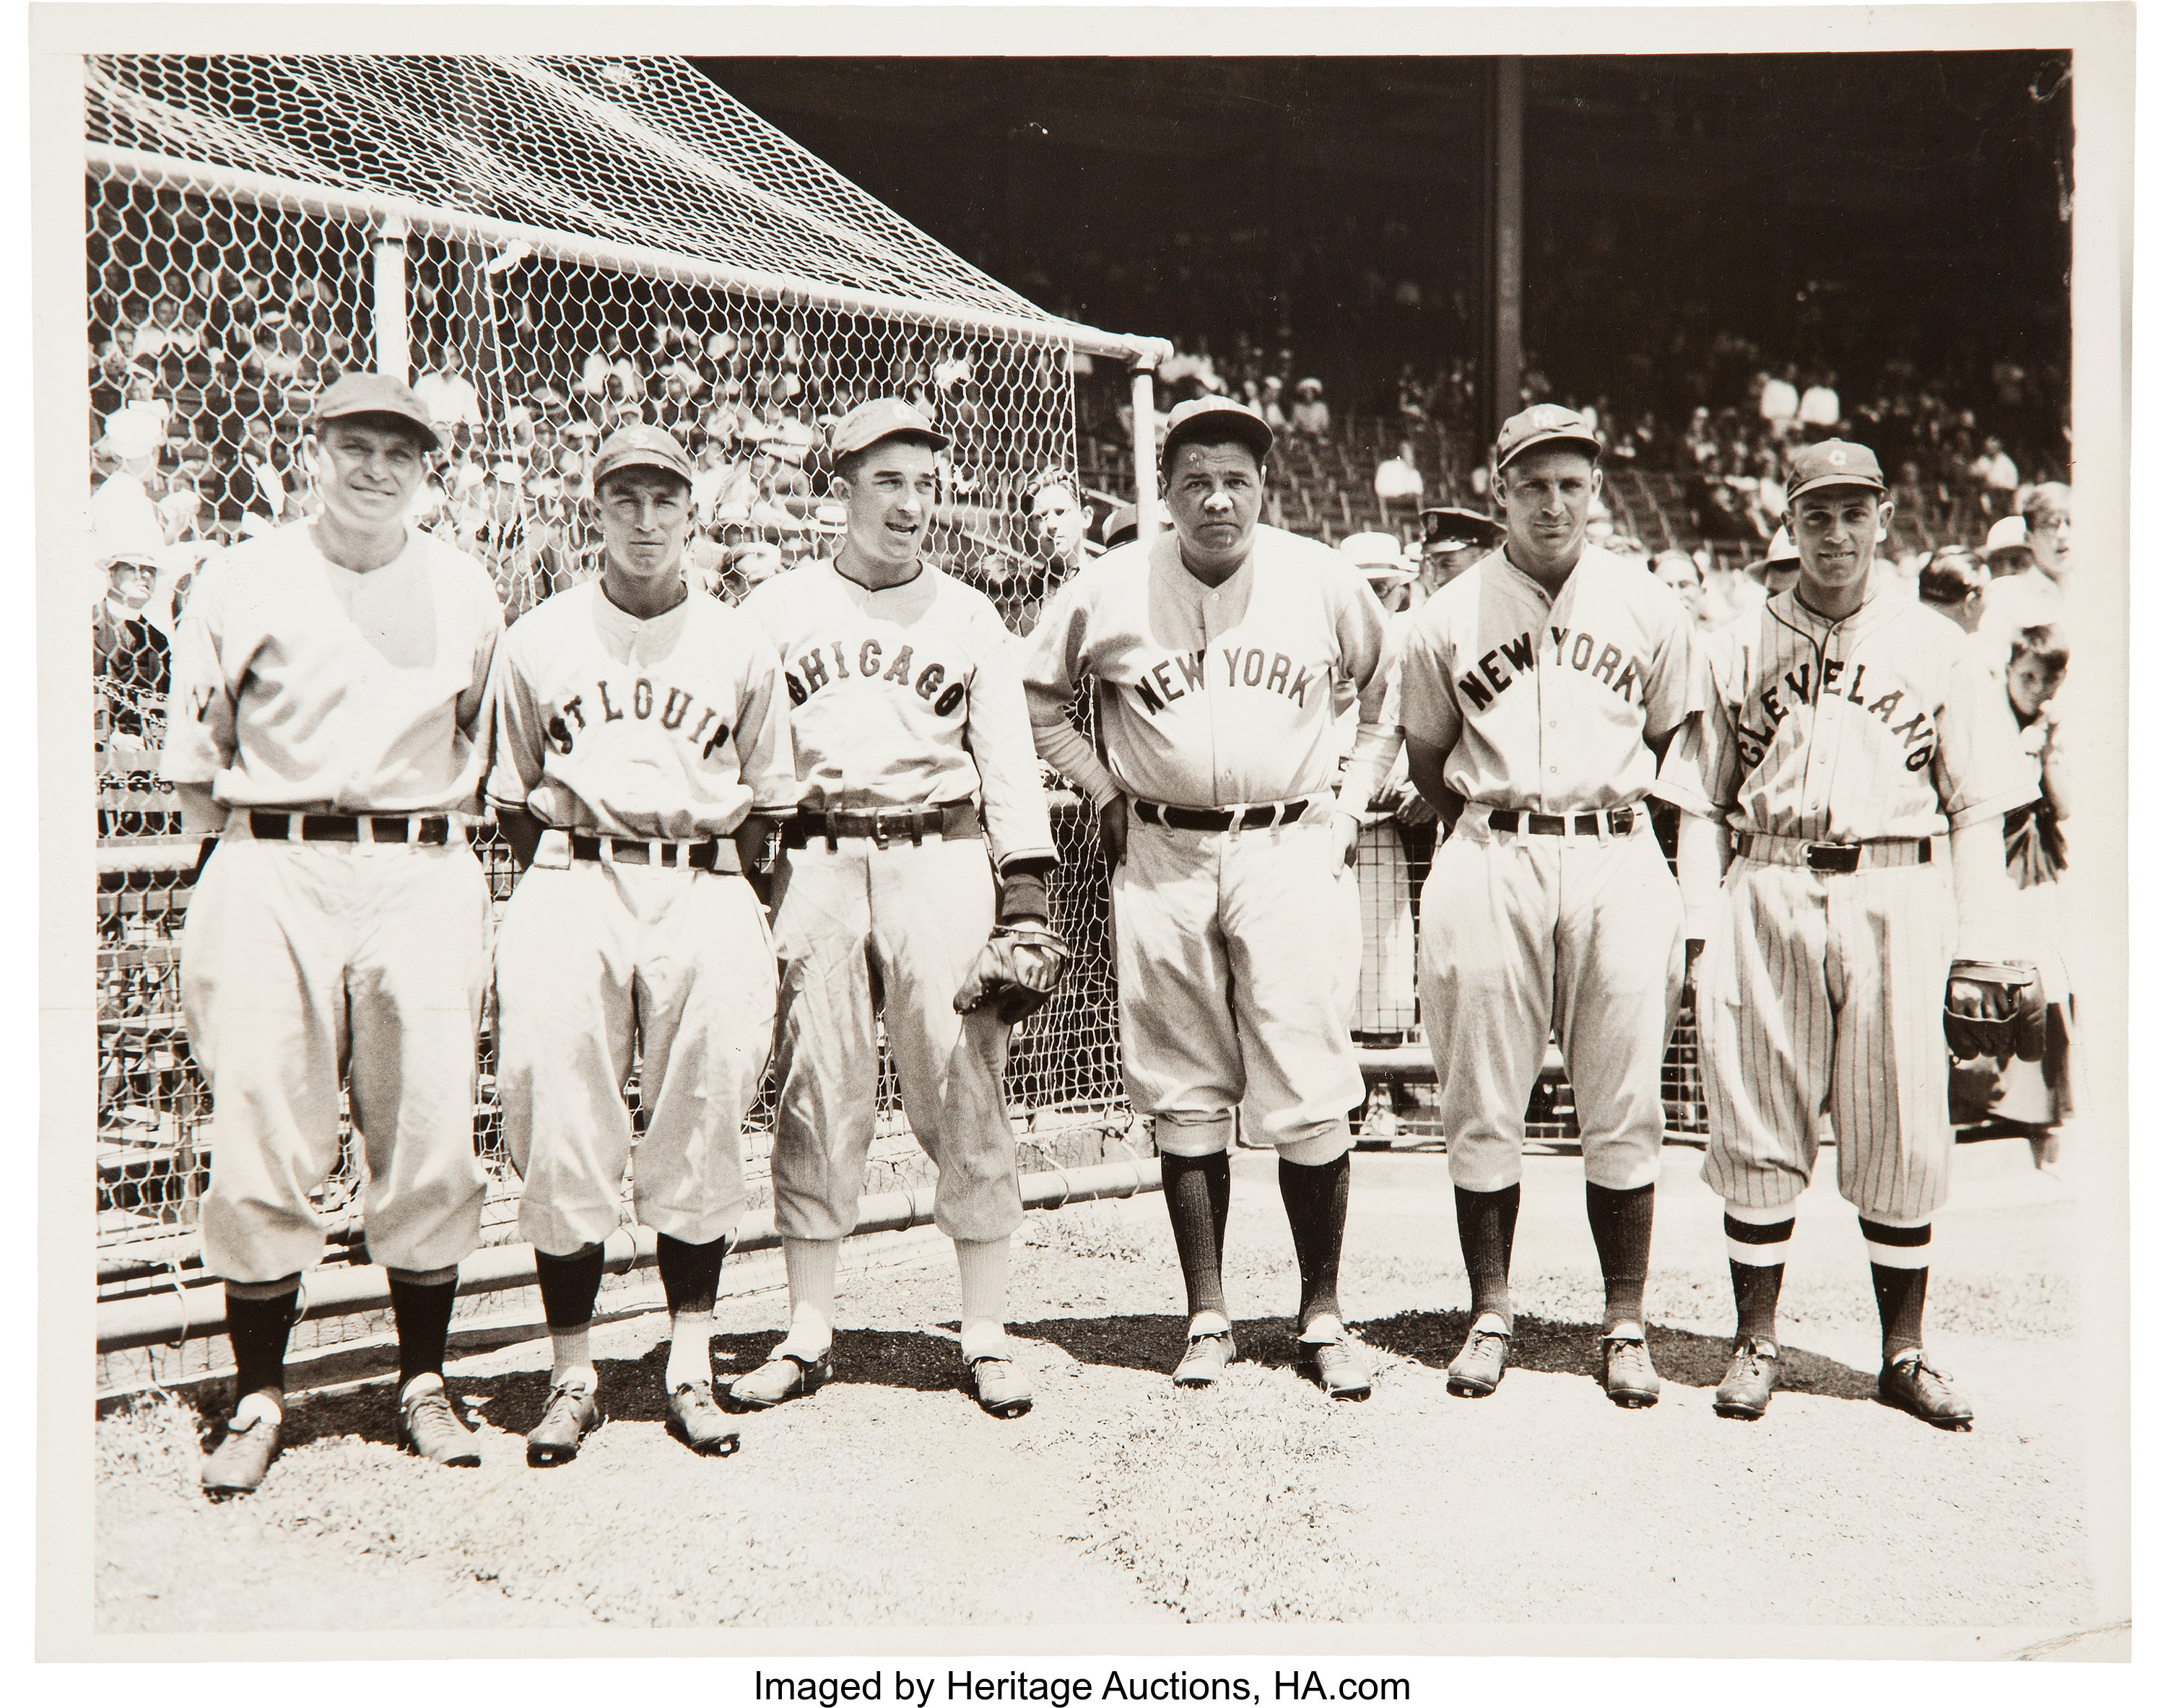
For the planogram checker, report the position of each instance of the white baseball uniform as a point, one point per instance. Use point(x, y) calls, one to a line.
point(300, 686)
point(1823, 990)
point(1545, 707)
point(902, 698)
point(649, 735)
point(1235, 983)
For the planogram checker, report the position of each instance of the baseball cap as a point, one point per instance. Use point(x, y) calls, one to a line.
point(375, 394)
point(1120, 525)
point(1213, 417)
point(1833, 463)
point(1450, 528)
point(642, 447)
point(2009, 533)
point(1544, 423)
point(882, 418)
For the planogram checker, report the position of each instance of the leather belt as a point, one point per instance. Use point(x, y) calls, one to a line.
point(953, 821)
point(628, 851)
point(1836, 856)
point(397, 829)
point(1221, 818)
point(1620, 822)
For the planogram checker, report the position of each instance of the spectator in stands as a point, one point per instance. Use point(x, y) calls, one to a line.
point(122, 506)
point(1819, 407)
point(2008, 548)
point(1311, 415)
point(1778, 399)
point(1953, 582)
point(2034, 598)
point(1273, 402)
point(130, 656)
point(1996, 469)
point(1398, 481)
point(1059, 523)
point(1679, 572)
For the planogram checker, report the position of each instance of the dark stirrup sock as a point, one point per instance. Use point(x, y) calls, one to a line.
point(423, 1313)
point(1486, 1222)
point(1898, 1288)
point(569, 1285)
point(1623, 1224)
point(1198, 1191)
point(258, 1328)
point(690, 1274)
point(1315, 1198)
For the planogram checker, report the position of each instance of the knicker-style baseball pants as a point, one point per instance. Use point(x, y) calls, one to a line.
point(1824, 994)
point(865, 932)
point(1523, 933)
point(302, 962)
point(593, 958)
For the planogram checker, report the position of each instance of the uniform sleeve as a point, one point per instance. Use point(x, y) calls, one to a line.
point(518, 722)
point(1672, 672)
point(1701, 770)
point(473, 708)
point(1378, 746)
point(767, 759)
point(1054, 663)
point(202, 692)
point(1979, 769)
point(997, 728)
point(1428, 707)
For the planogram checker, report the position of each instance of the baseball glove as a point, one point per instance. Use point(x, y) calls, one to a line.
point(1016, 971)
point(2014, 1023)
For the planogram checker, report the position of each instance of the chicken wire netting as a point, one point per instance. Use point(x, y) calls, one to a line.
point(219, 304)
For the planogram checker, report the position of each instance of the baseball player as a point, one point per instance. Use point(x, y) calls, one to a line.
point(1539, 688)
point(1216, 651)
point(327, 718)
point(642, 745)
point(915, 758)
point(1839, 734)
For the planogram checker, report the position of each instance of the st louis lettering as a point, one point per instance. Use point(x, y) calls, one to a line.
point(930, 683)
point(562, 728)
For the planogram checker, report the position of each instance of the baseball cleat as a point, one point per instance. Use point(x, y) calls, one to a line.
point(1205, 1361)
point(571, 1416)
point(1628, 1373)
point(1340, 1369)
point(696, 1420)
point(1003, 1390)
point(1475, 1373)
point(238, 1466)
point(1915, 1386)
point(1750, 1382)
point(784, 1376)
point(432, 1429)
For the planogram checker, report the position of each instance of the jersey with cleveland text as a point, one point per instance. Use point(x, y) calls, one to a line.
point(1884, 724)
point(1212, 697)
point(905, 696)
point(1542, 705)
point(671, 727)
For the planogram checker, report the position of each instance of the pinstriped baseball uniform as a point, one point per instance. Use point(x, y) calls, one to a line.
point(1823, 990)
point(1545, 707)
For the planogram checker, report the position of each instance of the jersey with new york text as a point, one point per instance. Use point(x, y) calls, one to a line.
point(1214, 696)
point(671, 727)
point(1884, 724)
point(905, 696)
point(1541, 704)
point(299, 684)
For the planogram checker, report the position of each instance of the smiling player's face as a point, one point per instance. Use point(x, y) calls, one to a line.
point(887, 503)
point(367, 473)
point(1836, 529)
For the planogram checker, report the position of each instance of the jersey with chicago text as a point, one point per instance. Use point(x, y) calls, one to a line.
point(1542, 705)
point(1213, 697)
point(1884, 724)
point(298, 684)
point(671, 727)
point(905, 696)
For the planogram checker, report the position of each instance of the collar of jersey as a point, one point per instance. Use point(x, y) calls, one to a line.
point(835, 566)
point(1197, 589)
point(1787, 609)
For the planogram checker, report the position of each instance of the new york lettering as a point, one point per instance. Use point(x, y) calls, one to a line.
point(1177, 676)
point(1501, 667)
point(813, 672)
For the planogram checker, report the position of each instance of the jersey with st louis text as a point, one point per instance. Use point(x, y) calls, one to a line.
point(905, 696)
point(1215, 696)
point(1541, 704)
point(1883, 725)
point(671, 727)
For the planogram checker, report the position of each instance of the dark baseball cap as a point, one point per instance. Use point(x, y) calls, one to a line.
point(1214, 419)
point(1120, 525)
point(883, 418)
point(1833, 463)
point(1450, 529)
point(375, 394)
point(1545, 424)
point(642, 446)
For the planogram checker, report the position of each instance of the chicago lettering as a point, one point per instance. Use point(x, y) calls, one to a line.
point(836, 662)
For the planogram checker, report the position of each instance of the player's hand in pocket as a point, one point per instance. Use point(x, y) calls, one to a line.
point(1346, 836)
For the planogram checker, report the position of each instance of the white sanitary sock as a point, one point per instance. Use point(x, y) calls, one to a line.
point(810, 1266)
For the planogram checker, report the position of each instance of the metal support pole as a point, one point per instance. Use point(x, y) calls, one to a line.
point(392, 356)
point(1142, 405)
point(1507, 224)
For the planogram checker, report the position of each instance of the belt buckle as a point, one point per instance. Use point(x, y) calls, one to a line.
point(1832, 857)
point(834, 826)
point(880, 829)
